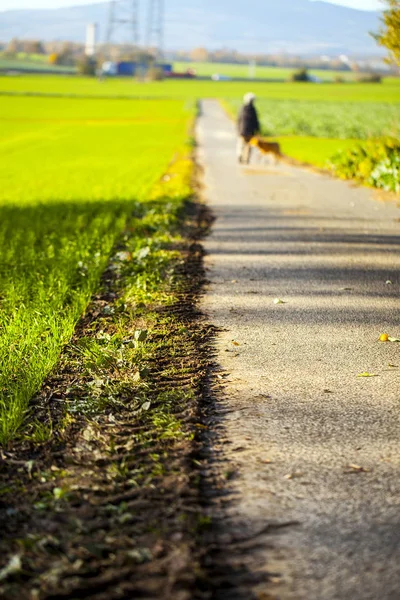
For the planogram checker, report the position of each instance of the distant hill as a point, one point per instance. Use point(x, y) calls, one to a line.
point(265, 26)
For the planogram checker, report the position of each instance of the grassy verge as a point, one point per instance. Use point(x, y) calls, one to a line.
point(312, 150)
point(71, 175)
point(107, 360)
point(112, 455)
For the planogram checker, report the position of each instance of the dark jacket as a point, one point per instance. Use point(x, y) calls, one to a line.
point(248, 123)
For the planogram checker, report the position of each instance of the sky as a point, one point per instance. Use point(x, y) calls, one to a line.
point(16, 4)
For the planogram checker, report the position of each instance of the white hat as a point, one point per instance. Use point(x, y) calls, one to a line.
point(249, 98)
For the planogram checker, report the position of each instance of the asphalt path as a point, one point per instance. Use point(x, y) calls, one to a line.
point(303, 277)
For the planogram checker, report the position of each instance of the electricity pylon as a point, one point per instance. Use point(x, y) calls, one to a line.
point(155, 26)
point(124, 14)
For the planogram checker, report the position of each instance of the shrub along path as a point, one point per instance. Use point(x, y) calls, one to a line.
point(304, 278)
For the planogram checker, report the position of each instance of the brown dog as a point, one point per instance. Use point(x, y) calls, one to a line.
point(266, 148)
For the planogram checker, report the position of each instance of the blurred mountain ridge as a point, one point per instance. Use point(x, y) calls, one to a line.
point(262, 26)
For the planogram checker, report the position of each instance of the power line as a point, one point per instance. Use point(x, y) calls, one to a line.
point(124, 15)
point(155, 26)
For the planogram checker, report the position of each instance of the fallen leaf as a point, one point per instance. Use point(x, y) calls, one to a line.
point(384, 337)
point(90, 434)
point(357, 469)
point(388, 282)
point(29, 466)
point(366, 374)
point(13, 566)
point(346, 289)
point(295, 475)
point(279, 301)
point(144, 372)
point(393, 339)
point(123, 256)
point(393, 366)
point(58, 493)
point(235, 343)
point(143, 252)
point(140, 335)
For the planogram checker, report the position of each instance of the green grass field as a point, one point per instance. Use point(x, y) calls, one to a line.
point(72, 171)
point(311, 150)
point(388, 91)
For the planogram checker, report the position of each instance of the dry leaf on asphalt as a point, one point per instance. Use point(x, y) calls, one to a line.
point(279, 301)
point(295, 475)
point(356, 469)
point(385, 337)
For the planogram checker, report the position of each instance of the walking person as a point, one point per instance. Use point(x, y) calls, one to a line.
point(248, 127)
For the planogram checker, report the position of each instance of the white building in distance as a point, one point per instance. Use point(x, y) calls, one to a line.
point(91, 39)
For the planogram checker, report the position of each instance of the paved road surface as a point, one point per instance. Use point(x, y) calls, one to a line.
point(310, 441)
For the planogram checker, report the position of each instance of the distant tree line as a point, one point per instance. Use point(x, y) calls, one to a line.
point(276, 60)
point(72, 54)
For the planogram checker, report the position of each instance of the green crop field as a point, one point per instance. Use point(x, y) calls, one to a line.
point(71, 173)
point(342, 120)
point(388, 91)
